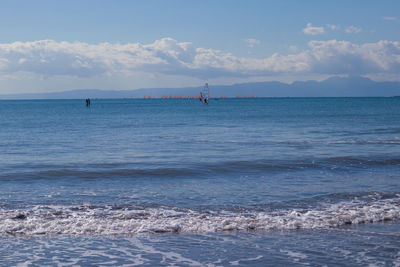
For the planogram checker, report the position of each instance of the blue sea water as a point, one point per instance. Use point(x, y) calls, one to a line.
point(251, 182)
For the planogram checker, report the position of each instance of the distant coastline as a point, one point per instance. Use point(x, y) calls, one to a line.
point(331, 87)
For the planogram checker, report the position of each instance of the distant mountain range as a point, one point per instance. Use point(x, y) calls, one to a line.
point(332, 87)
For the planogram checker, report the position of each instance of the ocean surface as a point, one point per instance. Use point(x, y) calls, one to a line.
point(248, 182)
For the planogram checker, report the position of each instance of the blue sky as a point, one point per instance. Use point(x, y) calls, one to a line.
point(61, 45)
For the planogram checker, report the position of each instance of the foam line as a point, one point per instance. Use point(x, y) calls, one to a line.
point(87, 220)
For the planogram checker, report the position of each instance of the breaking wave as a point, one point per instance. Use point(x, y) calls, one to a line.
point(111, 220)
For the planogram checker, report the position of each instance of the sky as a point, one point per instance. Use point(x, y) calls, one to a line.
point(50, 46)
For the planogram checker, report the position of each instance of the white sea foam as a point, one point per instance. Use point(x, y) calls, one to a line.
point(237, 262)
point(296, 256)
point(87, 220)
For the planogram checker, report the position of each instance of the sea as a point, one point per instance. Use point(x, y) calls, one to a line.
point(174, 182)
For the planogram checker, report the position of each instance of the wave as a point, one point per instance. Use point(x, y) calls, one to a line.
point(120, 170)
point(366, 142)
point(82, 172)
point(341, 142)
point(350, 161)
point(109, 220)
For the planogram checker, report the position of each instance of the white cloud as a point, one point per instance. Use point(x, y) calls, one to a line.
point(293, 48)
point(353, 29)
point(390, 18)
point(251, 42)
point(343, 57)
point(169, 57)
point(312, 30)
point(333, 27)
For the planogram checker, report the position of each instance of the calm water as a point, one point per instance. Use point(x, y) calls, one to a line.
point(255, 182)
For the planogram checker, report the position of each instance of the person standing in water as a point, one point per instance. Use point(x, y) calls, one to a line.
point(88, 102)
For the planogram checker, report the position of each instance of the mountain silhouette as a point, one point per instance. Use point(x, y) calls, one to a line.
point(353, 86)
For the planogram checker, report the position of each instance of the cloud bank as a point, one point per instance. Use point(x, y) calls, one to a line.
point(168, 56)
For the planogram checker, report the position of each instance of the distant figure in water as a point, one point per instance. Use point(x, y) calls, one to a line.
point(88, 102)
